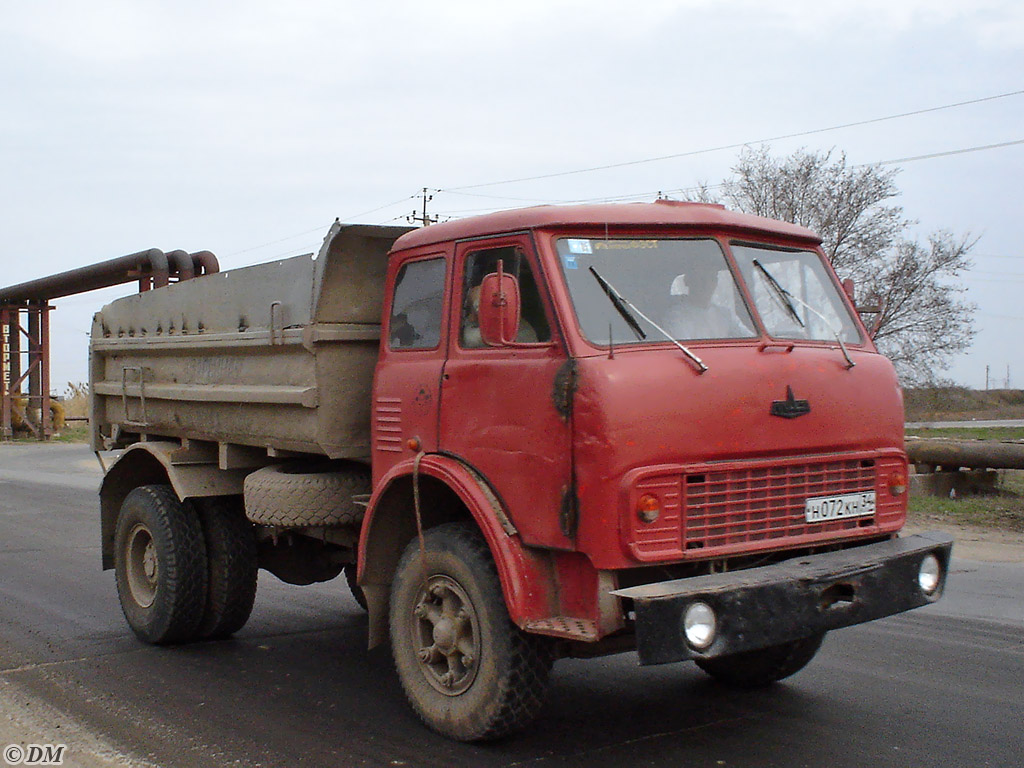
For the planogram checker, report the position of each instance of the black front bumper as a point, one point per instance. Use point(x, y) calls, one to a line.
point(767, 606)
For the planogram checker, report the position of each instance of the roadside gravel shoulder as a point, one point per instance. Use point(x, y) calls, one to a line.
point(25, 720)
point(989, 545)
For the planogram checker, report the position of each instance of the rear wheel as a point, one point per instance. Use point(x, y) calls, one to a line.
point(232, 566)
point(468, 671)
point(756, 669)
point(160, 565)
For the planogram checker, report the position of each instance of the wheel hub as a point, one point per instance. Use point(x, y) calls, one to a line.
point(143, 567)
point(446, 635)
point(149, 561)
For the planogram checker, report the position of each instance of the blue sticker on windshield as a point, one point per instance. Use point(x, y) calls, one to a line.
point(569, 261)
point(580, 246)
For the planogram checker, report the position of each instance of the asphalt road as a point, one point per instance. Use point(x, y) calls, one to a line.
point(940, 686)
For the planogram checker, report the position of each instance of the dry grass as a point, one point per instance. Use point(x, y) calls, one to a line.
point(1004, 511)
point(76, 401)
point(962, 404)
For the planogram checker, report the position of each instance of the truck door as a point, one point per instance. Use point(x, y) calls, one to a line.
point(407, 381)
point(501, 410)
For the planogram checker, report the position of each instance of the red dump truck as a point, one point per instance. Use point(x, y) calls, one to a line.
point(530, 435)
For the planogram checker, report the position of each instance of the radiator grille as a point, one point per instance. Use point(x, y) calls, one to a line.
point(724, 508)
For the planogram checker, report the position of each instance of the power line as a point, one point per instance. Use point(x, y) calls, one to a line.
point(381, 207)
point(462, 190)
point(683, 190)
point(996, 256)
point(275, 242)
point(738, 145)
point(950, 152)
point(320, 228)
point(499, 197)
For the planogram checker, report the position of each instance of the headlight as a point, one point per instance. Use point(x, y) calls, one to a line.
point(699, 626)
point(930, 575)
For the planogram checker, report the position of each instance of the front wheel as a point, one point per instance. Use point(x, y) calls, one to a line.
point(756, 669)
point(468, 671)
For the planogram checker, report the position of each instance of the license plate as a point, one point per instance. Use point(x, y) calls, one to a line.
point(823, 508)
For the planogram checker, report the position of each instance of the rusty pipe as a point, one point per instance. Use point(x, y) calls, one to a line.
point(974, 454)
point(123, 269)
point(148, 267)
point(205, 262)
point(159, 267)
point(181, 264)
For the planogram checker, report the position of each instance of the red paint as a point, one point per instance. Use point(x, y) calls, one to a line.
point(569, 465)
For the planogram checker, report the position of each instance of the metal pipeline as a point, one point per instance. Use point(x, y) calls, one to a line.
point(159, 269)
point(205, 263)
point(151, 267)
point(181, 263)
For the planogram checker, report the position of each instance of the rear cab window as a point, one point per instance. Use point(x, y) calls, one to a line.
point(417, 309)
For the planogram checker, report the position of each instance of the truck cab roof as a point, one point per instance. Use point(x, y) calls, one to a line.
point(662, 213)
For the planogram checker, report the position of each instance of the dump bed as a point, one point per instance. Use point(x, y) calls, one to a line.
point(277, 356)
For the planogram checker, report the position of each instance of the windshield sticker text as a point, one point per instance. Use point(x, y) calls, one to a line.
point(624, 245)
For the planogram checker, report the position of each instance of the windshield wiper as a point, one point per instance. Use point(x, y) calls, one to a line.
point(620, 304)
point(787, 299)
point(784, 296)
point(623, 305)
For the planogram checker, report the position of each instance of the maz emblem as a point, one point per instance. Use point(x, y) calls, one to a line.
point(790, 408)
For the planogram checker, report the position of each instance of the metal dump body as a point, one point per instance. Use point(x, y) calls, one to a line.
point(278, 356)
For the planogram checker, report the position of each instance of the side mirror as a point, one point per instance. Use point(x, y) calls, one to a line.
point(499, 309)
point(850, 290)
point(871, 309)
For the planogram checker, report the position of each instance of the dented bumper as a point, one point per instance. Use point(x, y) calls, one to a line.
point(771, 605)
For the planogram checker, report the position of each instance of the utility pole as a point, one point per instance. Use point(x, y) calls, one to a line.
point(422, 217)
point(986, 378)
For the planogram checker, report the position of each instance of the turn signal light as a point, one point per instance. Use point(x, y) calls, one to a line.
point(648, 508)
point(897, 484)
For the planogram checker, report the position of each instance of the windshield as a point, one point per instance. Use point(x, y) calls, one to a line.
point(794, 295)
point(684, 286)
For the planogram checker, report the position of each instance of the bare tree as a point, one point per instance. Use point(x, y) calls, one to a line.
point(922, 318)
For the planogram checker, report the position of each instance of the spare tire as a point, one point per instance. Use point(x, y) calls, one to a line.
point(297, 495)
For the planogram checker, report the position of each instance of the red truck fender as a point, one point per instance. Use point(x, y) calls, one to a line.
point(390, 524)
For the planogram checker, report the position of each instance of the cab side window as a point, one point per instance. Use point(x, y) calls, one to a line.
point(533, 324)
point(416, 310)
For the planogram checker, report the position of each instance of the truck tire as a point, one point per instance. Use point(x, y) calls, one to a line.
point(232, 566)
point(160, 565)
point(757, 669)
point(302, 494)
point(467, 670)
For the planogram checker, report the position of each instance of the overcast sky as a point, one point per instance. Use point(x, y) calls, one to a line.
point(246, 129)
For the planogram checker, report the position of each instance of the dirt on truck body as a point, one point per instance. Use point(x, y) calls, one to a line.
point(558, 431)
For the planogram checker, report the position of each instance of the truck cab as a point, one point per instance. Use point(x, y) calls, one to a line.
point(622, 434)
point(637, 402)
